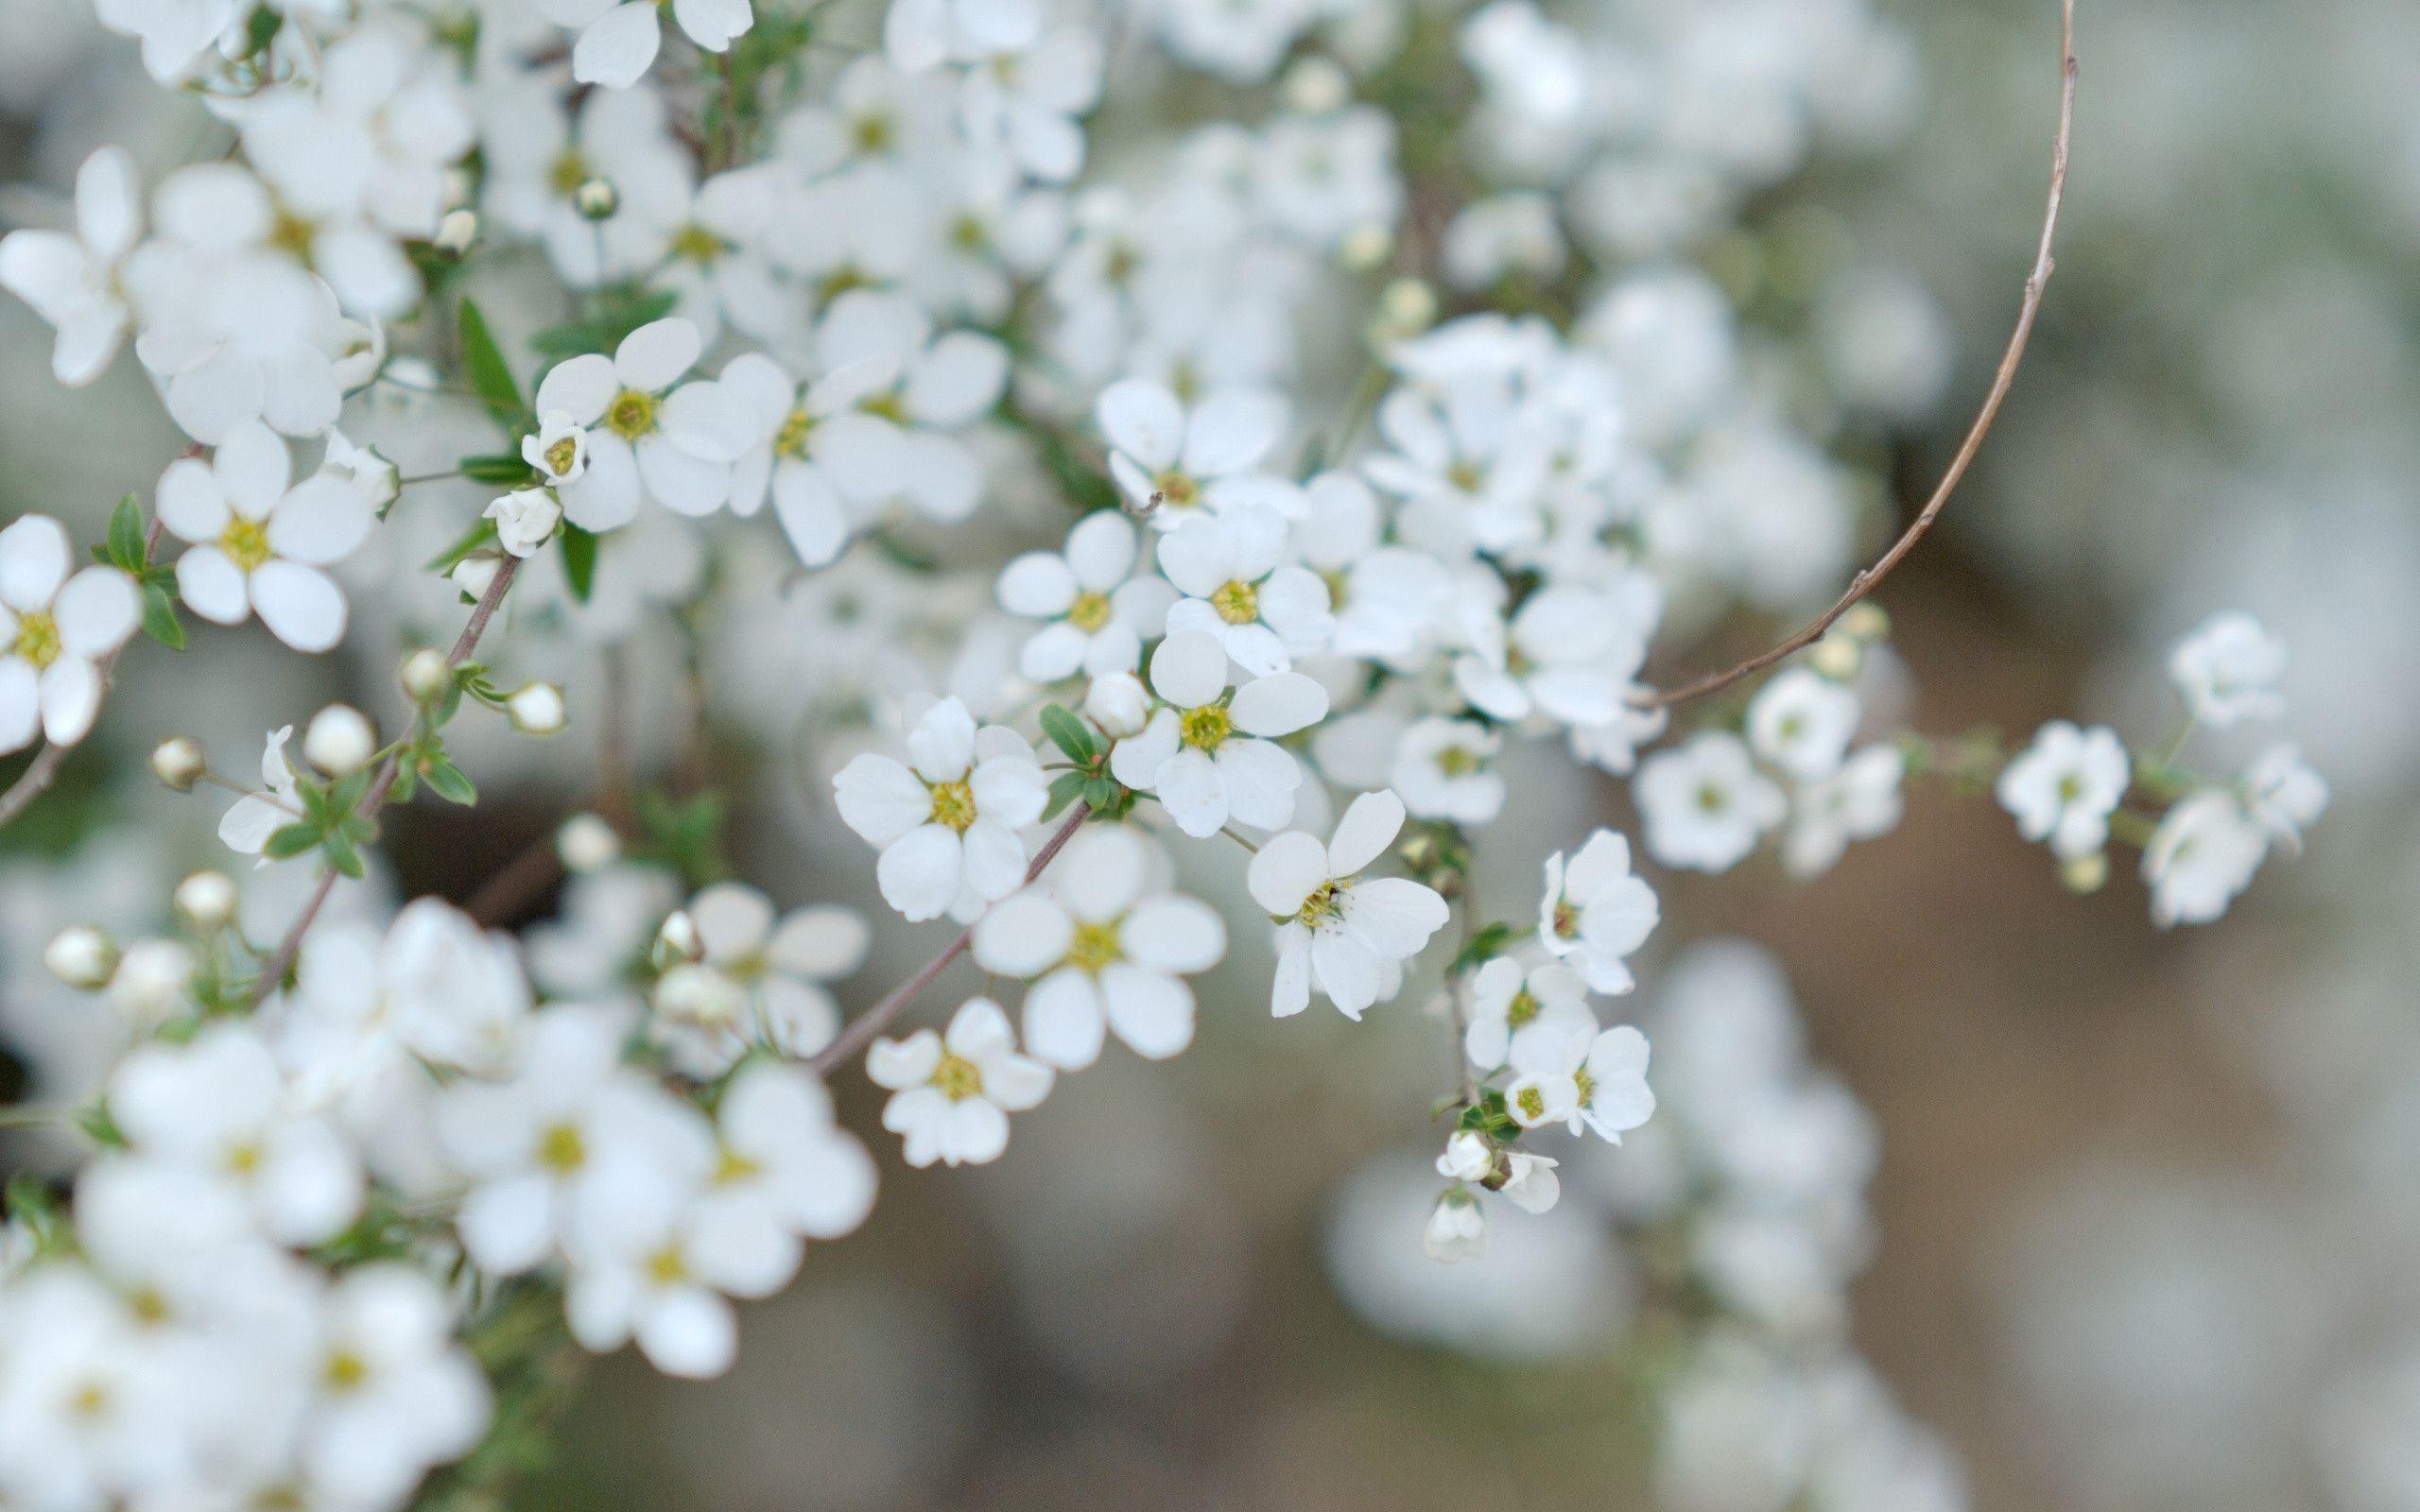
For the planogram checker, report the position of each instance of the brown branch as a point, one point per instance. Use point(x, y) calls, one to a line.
point(866, 1025)
point(36, 779)
point(1870, 577)
point(287, 949)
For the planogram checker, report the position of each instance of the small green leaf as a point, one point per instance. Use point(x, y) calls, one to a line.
point(290, 841)
point(1068, 734)
point(497, 467)
point(343, 856)
point(126, 534)
point(1064, 789)
point(407, 784)
point(469, 541)
point(160, 619)
point(1484, 945)
point(347, 795)
point(31, 1203)
point(491, 378)
point(448, 782)
point(579, 559)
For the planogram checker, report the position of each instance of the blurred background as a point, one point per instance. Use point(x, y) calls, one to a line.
point(2143, 1231)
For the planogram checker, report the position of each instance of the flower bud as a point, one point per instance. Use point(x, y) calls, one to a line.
point(536, 709)
point(1469, 1157)
point(82, 956)
point(596, 200)
point(1365, 248)
point(678, 940)
point(339, 740)
point(151, 982)
point(425, 676)
point(1315, 86)
point(2085, 874)
point(1457, 1230)
point(1406, 308)
point(1530, 1183)
point(180, 760)
point(1866, 621)
point(692, 993)
point(206, 901)
point(457, 232)
point(472, 575)
point(586, 843)
point(1116, 702)
point(1836, 656)
point(525, 519)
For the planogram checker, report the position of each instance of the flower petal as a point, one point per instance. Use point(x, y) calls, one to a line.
point(302, 605)
point(1285, 871)
point(1368, 826)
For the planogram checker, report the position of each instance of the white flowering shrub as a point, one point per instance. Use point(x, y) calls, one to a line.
point(1091, 441)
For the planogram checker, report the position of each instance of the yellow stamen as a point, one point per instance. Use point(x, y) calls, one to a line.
point(37, 638)
point(245, 542)
point(953, 805)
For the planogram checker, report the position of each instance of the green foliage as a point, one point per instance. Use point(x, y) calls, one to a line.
point(580, 561)
point(490, 377)
point(32, 1204)
point(683, 833)
point(1069, 734)
point(503, 467)
point(614, 313)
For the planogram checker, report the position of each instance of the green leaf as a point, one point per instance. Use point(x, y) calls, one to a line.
point(1068, 734)
point(160, 619)
point(407, 784)
point(290, 841)
point(347, 795)
point(448, 782)
point(469, 541)
point(1064, 789)
point(1486, 944)
point(497, 467)
point(31, 1203)
point(342, 856)
point(491, 379)
point(579, 559)
point(126, 534)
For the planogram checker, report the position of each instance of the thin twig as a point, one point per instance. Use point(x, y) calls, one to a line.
point(291, 945)
point(36, 779)
point(866, 1025)
point(1870, 577)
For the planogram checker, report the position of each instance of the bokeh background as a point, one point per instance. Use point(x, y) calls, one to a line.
point(2146, 1216)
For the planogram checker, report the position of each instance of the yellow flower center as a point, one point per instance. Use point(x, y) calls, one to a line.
point(561, 1150)
point(291, 235)
point(694, 243)
point(958, 1077)
point(560, 455)
point(345, 1370)
point(245, 542)
point(1587, 1087)
point(90, 1400)
point(1095, 947)
point(1711, 798)
point(1567, 919)
point(1089, 612)
point(632, 414)
point(1465, 477)
point(1326, 903)
point(790, 440)
point(37, 638)
point(1457, 761)
point(871, 133)
point(967, 235)
point(1531, 1101)
point(889, 406)
point(1238, 603)
point(1335, 588)
point(732, 1166)
point(1177, 491)
point(952, 805)
point(666, 1267)
point(1521, 1009)
point(569, 172)
point(244, 1158)
point(1207, 728)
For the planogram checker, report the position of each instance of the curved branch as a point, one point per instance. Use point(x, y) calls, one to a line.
point(866, 1025)
point(1870, 577)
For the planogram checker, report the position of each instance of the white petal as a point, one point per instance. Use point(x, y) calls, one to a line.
point(810, 513)
point(1102, 550)
point(617, 49)
point(1101, 872)
point(1063, 1021)
point(302, 605)
point(690, 1334)
point(1261, 780)
point(188, 501)
point(1395, 915)
point(1023, 935)
point(943, 743)
point(1279, 705)
point(919, 872)
point(822, 943)
point(1368, 826)
point(1231, 430)
point(96, 610)
point(33, 562)
point(1190, 789)
point(321, 520)
point(580, 387)
point(1153, 1013)
point(1175, 934)
point(995, 859)
point(1290, 989)
point(1286, 870)
point(71, 696)
point(1142, 420)
point(109, 209)
point(20, 703)
point(1347, 970)
point(1189, 669)
point(974, 1132)
point(652, 357)
point(879, 798)
point(213, 586)
point(1037, 585)
point(733, 920)
point(253, 467)
point(681, 480)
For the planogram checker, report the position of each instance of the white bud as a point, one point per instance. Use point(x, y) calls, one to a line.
point(587, 843)
point(596, 200)
point(1469, 1157)
point(536, 709)
point(457, 232)
point(1836, 656)
point(1406, 308)
point(697, 994)
point(151, 982)
point(2085, 874)
point(1116, 702)
point(206, 901)
point(425, 676)
point(180, 760)
point(1316, 86)
point(1532, 1186)
point(339, 740)
point(679, 940)
point(1866, 621)
point(525, 521)
point(1365, 248)
point(82, 956)
point(472, 575)
point(1457, 1229)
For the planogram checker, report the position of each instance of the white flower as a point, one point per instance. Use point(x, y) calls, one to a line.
point(947, 827)
point(258, 544)
point(55, 629)
point(1529, 1183)
point(1569, 655)
point(1570, 1072)
point(1026, 101)
point(1227, 566)
point(1506, 1000)
point(394, 1394)
point(618, 42)
point(784, 1164)
point(1211, 756)
point(1098, 612)
point(1469, 1156)
point(1704, 803)
point(678, 443)
point(822, 458)
point(1457, 1229)
point(1445, 769)
point(2065, 785)
point(1347, 935)
point(2283, 794)
point(559, 451)
point(219, 1105)
point(2227, 671)
point(952, 1094)
point(660, 1268)
point(1858, 802)
point(525, 519)
point(1802, 722)
point(1595, 913)
point(2201, 857)
point(1173, 462)
point(921, 34)
point(1101, 953)
point(71, 281)
point(253, 819)
point(771, 978)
